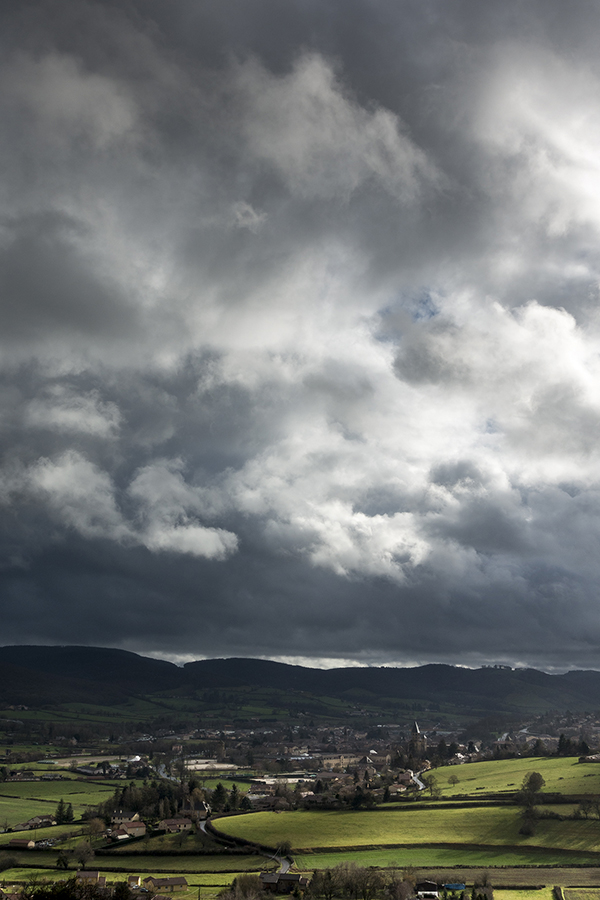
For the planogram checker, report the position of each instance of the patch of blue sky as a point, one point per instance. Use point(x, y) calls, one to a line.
point(422, 306)
point(419, 306)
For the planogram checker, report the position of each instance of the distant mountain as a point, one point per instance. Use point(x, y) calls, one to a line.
point(49, 676)
point(128, 671)
point(503, 688)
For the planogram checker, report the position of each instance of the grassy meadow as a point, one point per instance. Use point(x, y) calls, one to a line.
point(209, 884)
point(480, 826)
point(21, 800)
point(424, 857)
point(563, 775)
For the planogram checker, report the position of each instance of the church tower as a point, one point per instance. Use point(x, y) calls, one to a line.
point(418, 741)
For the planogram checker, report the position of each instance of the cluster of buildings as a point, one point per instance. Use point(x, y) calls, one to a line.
point(126, 824)
point(151, 884)
point(42, 821)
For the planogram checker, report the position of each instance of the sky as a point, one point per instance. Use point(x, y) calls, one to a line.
point(300, 329)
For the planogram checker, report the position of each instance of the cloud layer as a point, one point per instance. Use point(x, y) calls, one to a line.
point(300, 344)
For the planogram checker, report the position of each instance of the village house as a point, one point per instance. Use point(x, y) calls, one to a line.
point(282, 882)
point(21, 826)
point(134, 829)
point(173, 826)
point(395, 789)
point(118, 816)
point(91, 877)
point(172, 883)
point(42, 821)
point(335, 760)
point(405, 777)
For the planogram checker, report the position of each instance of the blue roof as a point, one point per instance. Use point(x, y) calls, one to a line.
point(454, 887)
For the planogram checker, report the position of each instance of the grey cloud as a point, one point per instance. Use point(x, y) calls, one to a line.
point(300, 334)
point(46, 286)
point(449, 474)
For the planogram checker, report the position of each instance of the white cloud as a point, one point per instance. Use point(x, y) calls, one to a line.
point(211, 543)
point(541, 112)
point(168, 507)
point(64, 410)
point(322, 141)
point(67, 103)
point(80, 495)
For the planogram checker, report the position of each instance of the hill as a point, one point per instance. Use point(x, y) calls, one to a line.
point(46, 677)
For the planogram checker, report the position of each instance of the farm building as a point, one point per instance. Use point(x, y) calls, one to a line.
point(175, 825)
point(91, 877)
point(173, 883)
point(282, 882)
point(21, 844)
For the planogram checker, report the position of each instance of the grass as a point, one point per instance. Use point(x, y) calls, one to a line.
point(543, 894)
point(440, 856)
point(582, 894)
point(69, 789)
point(41, 833)
point(182, 864)
point(481, 826)
point(213, 882)
point(13, 810)
point(564, 775)
point(21, 800)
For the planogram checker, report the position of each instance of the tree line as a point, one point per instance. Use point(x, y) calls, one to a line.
point(350, 881)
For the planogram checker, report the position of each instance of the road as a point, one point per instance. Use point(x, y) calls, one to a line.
point(418, 781)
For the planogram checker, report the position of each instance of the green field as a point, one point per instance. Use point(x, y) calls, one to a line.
point(20, 809)
point(209, 883)
point(581, 894)
point(184, 863)
point(563, 775)
point(21, 800)
point(475, 827)
point(543, 894)
point(420, 857)
point(70, 789)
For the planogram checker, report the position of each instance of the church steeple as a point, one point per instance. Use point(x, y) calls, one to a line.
point(418, 741)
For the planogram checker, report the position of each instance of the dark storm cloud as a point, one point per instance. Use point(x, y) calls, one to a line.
point(46, 286)
point(300, 334)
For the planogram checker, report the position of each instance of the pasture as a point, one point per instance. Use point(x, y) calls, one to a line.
point(424, 857)
point(21, 800)
point(70, 789)
point(184, 863)
point(581, 894)
point(544, 893)
point(563, 775)
point(209, 884)
point(475, 828)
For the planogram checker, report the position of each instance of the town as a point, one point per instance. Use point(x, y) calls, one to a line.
point(194, 802)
